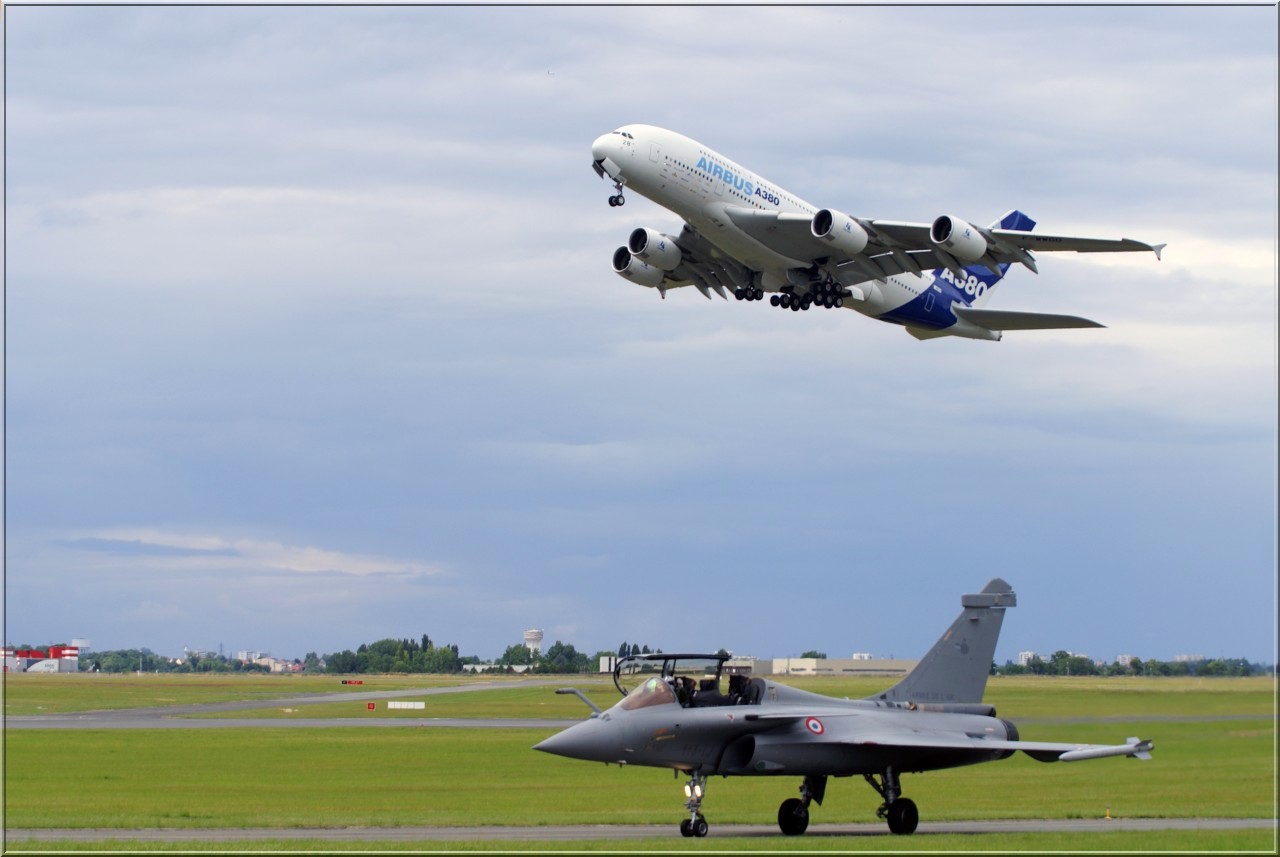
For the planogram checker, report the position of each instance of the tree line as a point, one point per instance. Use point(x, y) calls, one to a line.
point(391, 655)
point(1065, 663)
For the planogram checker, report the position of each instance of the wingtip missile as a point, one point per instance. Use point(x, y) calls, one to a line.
point(1134, 747)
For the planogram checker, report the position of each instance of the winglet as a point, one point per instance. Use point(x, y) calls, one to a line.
point(1158, 248)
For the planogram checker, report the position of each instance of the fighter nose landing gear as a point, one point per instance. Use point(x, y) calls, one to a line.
point(696, 823)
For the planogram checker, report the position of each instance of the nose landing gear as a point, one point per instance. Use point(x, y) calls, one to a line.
point(617, 199)
point(696, 823)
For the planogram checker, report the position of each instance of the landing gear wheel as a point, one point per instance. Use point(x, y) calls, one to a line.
point(738, 295)
point(686, 828)
point(793, 817)
point(774, 300)
point(700, 827)
point(903, 816)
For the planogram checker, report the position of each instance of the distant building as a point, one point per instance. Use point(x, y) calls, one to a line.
point(861, 656)
point(58, 659)
point(483, 668)
point(1188, 659)
point(832, 666)
point(1025, 658)
point(1126, 660)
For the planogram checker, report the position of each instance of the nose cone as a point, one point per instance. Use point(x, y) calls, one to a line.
point(602, 147)
point(588, 740)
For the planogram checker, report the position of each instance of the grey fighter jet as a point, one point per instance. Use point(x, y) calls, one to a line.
point(675, 714)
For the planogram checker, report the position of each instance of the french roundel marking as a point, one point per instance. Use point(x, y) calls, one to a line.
point(814, 725)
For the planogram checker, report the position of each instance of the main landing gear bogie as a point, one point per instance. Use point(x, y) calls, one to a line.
point(748, 294)
point(796, 303)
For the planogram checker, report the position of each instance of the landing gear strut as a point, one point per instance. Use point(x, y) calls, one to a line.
point(618, 199)
point(696, 823)
point(900, 812)
point(793, 815)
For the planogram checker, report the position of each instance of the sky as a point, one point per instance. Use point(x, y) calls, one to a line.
point(311, 336)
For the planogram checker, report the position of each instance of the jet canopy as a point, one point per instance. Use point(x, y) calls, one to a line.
point(688, 679)
point(631, 672)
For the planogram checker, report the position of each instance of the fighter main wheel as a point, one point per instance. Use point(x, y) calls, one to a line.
point(903, 816)
point(793, 817)
point(700, 827)
point(686, 828)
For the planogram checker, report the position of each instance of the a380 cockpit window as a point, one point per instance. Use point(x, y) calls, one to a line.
point(653, 691)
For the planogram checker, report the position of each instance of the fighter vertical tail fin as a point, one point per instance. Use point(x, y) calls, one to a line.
point(955, 670)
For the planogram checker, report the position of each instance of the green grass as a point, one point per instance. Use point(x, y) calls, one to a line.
point(1188, 841)
point(351, 776)
point(523, 702)
point(1203, 765)
point(69, 692)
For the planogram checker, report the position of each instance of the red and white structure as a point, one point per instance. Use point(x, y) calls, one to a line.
point(58, 659)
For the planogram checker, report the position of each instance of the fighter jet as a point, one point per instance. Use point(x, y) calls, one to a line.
point(674, 714)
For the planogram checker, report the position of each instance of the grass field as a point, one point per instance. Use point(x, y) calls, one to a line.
point(1215, 756)
point(1191, 842)
point(61, 693)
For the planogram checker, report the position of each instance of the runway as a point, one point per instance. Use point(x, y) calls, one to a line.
point(580, 833)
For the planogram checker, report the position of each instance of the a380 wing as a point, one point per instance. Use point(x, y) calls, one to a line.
point(897, 247)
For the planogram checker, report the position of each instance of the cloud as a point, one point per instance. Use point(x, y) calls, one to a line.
point(314, 283)
point(178, 551)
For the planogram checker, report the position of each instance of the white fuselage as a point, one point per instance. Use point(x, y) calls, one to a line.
point(697, 183)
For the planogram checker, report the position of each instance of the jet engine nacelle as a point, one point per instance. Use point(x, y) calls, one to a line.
point(840, 231)
point(655, 248)
point(958, 238)
point(635, 269)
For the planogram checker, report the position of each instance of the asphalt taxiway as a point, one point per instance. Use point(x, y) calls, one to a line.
point(588, 832)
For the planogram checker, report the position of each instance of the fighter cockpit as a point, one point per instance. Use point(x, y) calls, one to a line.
point(692, 681)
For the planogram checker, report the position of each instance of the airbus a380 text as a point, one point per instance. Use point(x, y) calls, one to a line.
point(747, 235)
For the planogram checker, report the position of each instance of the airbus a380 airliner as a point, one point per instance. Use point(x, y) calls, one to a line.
point(747, 234)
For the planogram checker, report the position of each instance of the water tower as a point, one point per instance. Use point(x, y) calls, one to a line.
point(533, 640)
